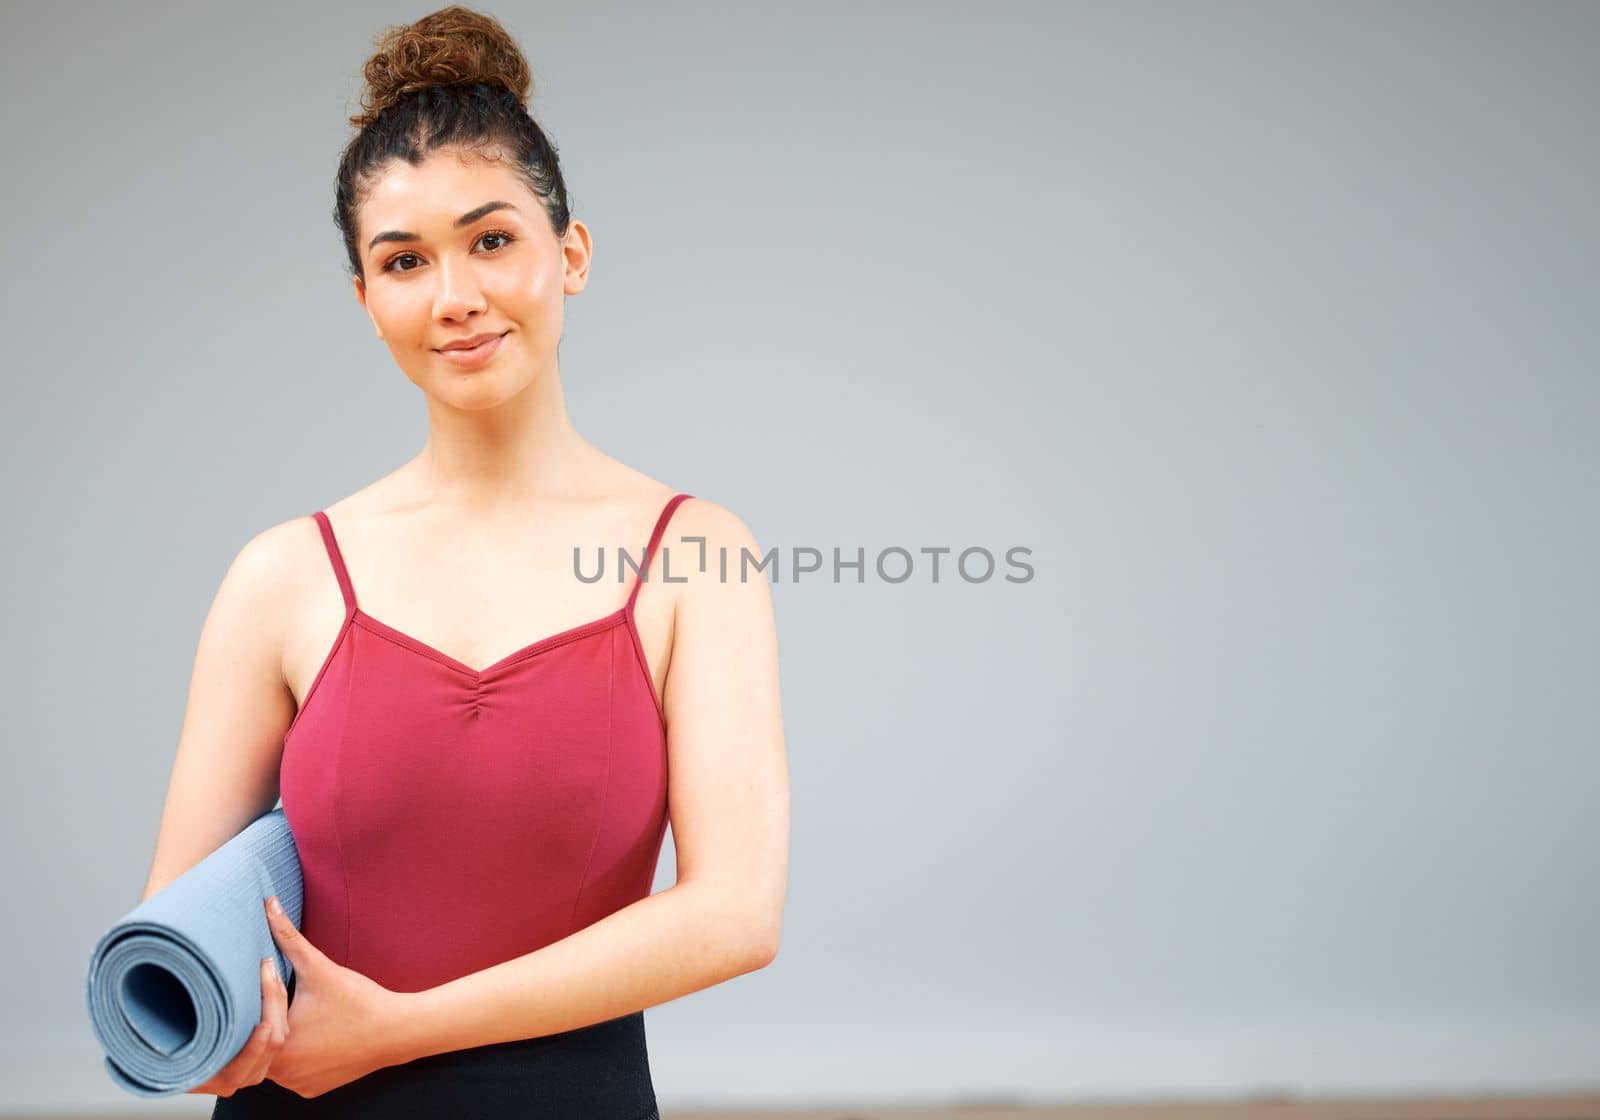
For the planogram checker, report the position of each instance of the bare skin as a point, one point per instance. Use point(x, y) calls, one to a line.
point(468, 548)
point(249, 1066)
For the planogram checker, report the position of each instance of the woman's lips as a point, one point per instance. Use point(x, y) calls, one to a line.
point(475, 357)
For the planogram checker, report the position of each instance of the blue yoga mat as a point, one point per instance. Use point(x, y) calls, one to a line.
point(174, 987)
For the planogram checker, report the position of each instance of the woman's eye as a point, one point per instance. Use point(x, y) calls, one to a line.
point(504, 238)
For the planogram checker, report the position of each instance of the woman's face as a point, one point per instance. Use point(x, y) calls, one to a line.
point(433, 278)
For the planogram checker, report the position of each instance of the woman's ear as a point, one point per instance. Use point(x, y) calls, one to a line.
point(361, 298)
point(577, 249)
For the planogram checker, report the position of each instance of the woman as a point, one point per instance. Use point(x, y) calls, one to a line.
point(478, 815)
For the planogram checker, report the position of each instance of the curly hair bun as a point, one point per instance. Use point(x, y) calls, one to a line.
point(453, 46)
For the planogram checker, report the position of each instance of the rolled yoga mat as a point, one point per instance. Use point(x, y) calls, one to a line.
point(174, 987)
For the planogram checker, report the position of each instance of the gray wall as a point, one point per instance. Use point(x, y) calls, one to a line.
point(1261, 325)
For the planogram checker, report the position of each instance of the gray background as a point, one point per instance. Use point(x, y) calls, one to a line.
point(1261, 325)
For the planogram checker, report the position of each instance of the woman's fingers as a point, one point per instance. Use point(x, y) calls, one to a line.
point(233, 1075)
point(250, 1065)
point(263, 1049)
point(275, 1001)
point(274, 1017)
point(258, 1072)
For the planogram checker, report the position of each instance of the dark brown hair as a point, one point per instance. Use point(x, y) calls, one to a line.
point(453, 79)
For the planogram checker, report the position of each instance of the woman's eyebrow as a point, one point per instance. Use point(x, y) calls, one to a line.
point(465, 220)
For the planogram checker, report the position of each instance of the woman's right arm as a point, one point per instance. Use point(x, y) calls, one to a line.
point(225, 774)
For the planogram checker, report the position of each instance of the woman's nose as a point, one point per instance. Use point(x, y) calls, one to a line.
point(459, 292)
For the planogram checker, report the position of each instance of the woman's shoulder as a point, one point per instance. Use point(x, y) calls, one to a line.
point(292, 551)
point(718, 525)
point(284, 555)
point(722, 562)
point(696, 516)
point(630, 497)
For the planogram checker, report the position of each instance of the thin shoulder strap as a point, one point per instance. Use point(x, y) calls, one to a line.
point(338, 562)
point(650, 549)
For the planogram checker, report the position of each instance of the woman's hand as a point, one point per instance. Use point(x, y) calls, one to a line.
point(340, 1023)
point(249, 1066)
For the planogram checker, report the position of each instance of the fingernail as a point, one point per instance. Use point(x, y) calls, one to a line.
point(274, 906)
point(271, 967)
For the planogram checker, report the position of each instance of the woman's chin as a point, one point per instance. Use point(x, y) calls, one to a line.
point(474, 394)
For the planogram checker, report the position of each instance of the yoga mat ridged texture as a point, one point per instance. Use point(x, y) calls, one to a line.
point(174, 987)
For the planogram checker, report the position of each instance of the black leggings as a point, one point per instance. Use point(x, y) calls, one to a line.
point(599, 1072)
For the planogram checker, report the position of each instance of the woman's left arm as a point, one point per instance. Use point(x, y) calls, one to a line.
point(728, 800)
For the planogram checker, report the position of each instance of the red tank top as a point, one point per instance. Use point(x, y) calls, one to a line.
point(449, 818)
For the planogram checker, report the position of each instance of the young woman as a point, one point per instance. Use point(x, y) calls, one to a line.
point(478, 815)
